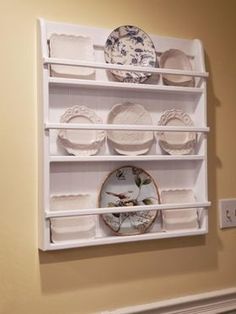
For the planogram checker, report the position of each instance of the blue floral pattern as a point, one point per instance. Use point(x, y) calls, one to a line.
point(131, 46)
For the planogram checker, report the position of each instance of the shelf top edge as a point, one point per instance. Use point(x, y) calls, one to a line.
point(124, 85)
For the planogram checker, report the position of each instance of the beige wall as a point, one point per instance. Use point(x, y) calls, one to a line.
point(91, 279)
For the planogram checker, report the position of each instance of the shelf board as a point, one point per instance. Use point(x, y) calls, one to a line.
point(124, 86)
point(133, 238)
point(125, 158)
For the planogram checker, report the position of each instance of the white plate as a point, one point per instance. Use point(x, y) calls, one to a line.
point(131, 46)
point(71, 201)
point(72, 228)
point(74, 48)
point(176, 59)
point(175, 219)
point(129, 186)
point(81, 142)
point(130, 142)
point(176, 143)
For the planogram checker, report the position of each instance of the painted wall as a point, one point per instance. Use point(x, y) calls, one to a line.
point(92, 279)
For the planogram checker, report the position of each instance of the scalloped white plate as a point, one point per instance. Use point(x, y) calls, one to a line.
point(130, 142)
point(81, 142)
point(176, 143)
point(71, 47)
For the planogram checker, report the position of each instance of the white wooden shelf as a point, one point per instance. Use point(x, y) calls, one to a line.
point(57, 81)
point(105, 158)
point(66, 174)
point(126, 239)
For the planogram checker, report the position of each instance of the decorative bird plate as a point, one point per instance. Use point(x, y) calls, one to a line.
point(129, 186)
point(131, 46)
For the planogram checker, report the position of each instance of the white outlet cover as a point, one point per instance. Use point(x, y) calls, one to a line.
point(227, 213)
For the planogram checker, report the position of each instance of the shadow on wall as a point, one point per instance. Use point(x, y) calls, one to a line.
point(213, 161)
point(82, 268)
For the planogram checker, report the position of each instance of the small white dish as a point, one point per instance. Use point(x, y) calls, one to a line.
point(71, 201)
point(130, 142)
point(72, 228)
point(71, 47)
point(178, 60)
point(81, 142)
point(176, 143)
point(176, 219)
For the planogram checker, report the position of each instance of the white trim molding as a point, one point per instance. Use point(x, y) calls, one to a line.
point(214, 302)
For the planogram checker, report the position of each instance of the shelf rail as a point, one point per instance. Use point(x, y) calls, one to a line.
point(124, 127)
point(123, 209)
point(119, 67)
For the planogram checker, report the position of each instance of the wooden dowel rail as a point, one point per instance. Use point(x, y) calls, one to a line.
point(124, 209)
point(108, 66)
point(124, 127)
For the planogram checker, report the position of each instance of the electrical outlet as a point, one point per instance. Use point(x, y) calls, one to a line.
point(227, 212)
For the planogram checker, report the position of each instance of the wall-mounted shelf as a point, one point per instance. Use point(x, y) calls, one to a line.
point(65, 174)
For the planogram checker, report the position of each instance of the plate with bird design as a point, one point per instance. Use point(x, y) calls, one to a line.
point(130, 45)
point(129, 186)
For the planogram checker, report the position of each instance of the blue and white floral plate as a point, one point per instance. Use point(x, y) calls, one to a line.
point(130, 45)
point(129, 186)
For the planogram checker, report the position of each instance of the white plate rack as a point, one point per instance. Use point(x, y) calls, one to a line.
point(62, 173)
